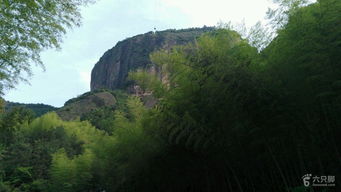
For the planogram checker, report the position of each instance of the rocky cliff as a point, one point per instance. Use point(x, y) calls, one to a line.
point(111, 71)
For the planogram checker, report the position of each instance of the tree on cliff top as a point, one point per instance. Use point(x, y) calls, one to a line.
point(27, 28)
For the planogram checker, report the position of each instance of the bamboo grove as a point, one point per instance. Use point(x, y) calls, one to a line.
point(229, 117)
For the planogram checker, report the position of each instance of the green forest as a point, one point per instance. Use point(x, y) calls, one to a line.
point(231, 115)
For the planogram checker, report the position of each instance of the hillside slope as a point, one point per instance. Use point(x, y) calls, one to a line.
point(39, 109)
point(77, 107)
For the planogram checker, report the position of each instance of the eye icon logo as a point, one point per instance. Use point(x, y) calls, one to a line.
point(306, 180)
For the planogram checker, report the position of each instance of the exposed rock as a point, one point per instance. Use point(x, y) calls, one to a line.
point(111, 71)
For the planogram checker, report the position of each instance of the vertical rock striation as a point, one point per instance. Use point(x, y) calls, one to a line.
point(111, 71)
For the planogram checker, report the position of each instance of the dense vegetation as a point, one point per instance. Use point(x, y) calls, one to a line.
point(38, 109)
point(94, 106)
point(228, 118)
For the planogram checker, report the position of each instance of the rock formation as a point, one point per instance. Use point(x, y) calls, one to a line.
point(111, 71)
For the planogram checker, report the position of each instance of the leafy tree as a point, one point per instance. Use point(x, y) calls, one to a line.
point(102, 118)
point(31, 151)
point(123, 158)
point(2, 105)
point(28, 27)
point(206, 112)
point(262, 118)
point(38, 109)
point(303, 67)
point(11, 122)
point(285, 8)
point(228, 118)
point(71, 174)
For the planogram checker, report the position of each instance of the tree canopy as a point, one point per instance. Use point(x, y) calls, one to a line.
point(27, 28)
point(227, 118)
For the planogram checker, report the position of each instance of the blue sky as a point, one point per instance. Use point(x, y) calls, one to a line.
point(105, 23)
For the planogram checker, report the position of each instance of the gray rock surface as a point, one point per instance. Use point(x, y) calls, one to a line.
point(111, 71)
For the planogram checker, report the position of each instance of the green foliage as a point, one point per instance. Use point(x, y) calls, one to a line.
point(87, 94)
point(71, 174)
point(202, 78)
point(11, 122)
point(31, 153)
point(2, 105)
point(228, 118)
point(252, 114)
point(38, 109)
point(208, 108)
point(137, 49)
point(28, 27)
point(286, 8)
point(303, 68)
point(148, 82)
point(106, 162)
point(127, 153)
point(102, 118)
point(70, 171)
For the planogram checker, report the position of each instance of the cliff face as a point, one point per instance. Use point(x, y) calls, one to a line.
point(111, 71)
